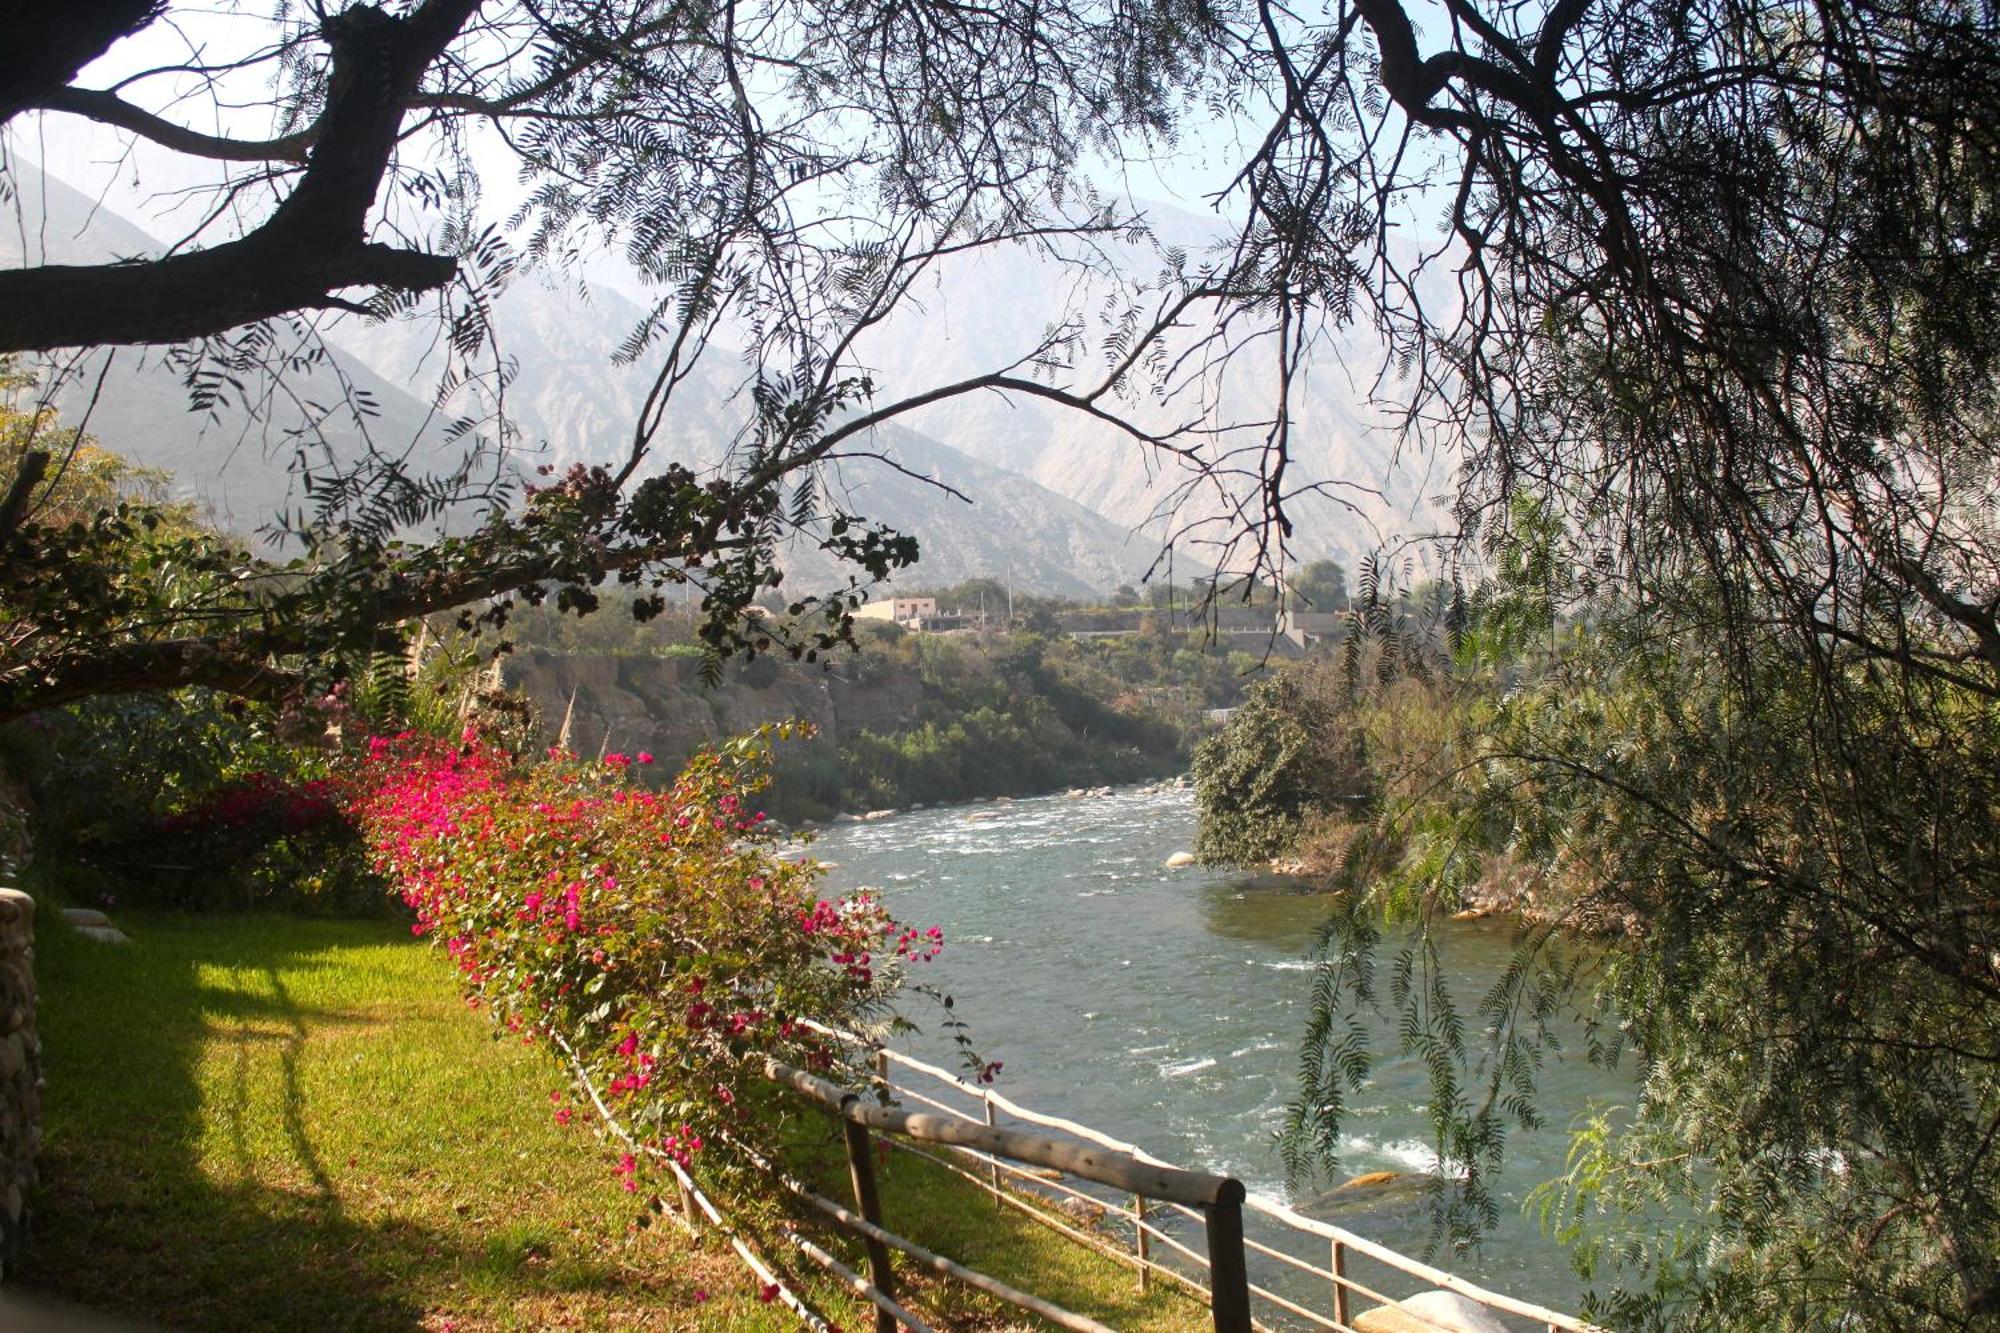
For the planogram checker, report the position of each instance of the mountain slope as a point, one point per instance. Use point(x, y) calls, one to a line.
point(991, 309)
point(566, 391)
point(569, 391)
point(238, 458)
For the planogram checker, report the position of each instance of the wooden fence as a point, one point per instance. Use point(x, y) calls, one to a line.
point(1184, 1227)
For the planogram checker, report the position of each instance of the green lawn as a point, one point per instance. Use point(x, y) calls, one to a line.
point(260, 1122)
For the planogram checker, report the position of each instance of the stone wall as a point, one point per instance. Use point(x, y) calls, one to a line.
point(20, 1073)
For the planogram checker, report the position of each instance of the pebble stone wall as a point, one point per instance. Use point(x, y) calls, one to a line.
point(20, 1073)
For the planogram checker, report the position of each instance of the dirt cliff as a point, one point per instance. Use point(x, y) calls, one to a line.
point(660, 703)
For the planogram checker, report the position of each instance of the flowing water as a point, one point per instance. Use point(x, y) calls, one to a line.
point(1164, 1006)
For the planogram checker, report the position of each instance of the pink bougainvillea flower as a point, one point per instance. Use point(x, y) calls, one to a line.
point(694, 924)
point(645, 756)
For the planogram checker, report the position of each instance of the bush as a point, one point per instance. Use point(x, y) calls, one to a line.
point(652, 937)
point(187, 800)
point(1286, 755)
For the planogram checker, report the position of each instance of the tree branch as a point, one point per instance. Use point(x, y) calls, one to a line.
point(233, 666)
point(109, 109)
point(43, 44)
point(314, 244)
point(194, 295)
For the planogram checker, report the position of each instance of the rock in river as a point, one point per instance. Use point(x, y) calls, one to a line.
point(1431, 1312)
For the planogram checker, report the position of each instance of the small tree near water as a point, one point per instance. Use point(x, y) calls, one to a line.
point(1287, 754)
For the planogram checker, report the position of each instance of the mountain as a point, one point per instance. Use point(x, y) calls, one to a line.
point(1352, 485)
point(567, 394)
point(1064, 501)
point(970, 516)
point(236, 459)
point(990, 309)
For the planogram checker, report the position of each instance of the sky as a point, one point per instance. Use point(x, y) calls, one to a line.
point(169, 193)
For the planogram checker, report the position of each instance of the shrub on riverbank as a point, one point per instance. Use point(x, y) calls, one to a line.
point(651, 936)
point(1289, 757)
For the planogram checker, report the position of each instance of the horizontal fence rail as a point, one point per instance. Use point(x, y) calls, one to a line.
point(1118, 1168)
point(1165, 1222)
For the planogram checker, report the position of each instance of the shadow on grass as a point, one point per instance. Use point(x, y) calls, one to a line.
point(261, 1122)
point(185, 1173)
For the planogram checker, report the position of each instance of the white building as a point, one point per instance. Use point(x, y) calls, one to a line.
point(909, 612)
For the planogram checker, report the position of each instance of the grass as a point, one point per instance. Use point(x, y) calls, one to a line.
point(261, 1121)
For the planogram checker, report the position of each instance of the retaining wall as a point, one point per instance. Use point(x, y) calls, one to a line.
point(20, 1073)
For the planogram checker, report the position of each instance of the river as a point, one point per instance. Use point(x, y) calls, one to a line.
point(1164, 1006)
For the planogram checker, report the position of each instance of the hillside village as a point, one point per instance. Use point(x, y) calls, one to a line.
point(1285, 629)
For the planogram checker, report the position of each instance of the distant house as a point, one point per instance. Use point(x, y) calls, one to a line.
point(1239, 619)
point(1305, 628)
point(909, 612)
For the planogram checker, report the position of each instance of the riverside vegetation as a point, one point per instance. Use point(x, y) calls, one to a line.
point(315, 1126)
point(312, 1090)
point(1711, 885)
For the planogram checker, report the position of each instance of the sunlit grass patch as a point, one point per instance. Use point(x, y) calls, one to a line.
point(258, 1122)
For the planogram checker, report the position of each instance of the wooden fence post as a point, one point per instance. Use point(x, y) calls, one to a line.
point(690, 1210)
point(861, 1166)
point(1139, 1224)
point(1228, 1274)
point(1340, 1310)
point(993, 1168)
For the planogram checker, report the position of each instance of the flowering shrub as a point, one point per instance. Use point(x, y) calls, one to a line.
point(258, 800)
point(653, 936)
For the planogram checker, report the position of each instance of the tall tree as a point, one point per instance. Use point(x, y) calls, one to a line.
point(1712, 303)
point(1717, 344)
point(786, 173)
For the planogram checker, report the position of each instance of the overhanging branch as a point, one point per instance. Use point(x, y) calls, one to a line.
point(234, 667)
point(197, 294)
point(43, 43)
point(314, 244)
point(110, 109)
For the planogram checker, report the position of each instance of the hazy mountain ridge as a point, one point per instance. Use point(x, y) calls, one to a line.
point(991, 309)
point(237, 466)
point(1060, 502)
point(569, 390)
